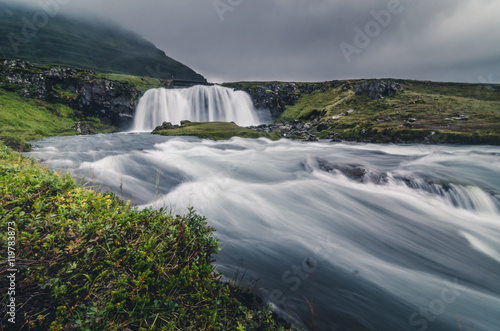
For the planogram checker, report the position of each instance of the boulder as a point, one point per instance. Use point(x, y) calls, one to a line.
point(165, 126)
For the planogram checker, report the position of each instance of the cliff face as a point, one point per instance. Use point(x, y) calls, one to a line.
point(276, 96)
point(113, 102)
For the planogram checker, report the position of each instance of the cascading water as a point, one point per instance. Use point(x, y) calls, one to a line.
point(196, 104)
point(340, 236)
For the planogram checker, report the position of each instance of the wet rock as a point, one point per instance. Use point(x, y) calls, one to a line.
point(353, 171)
point(83, 128)
point(165, 126)
point(322, 126)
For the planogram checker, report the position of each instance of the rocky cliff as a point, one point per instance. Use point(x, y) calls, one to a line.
point(275, 96)
point(93, 95)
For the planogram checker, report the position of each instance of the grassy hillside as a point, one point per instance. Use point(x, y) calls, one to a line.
point(101, 46)
point(87, 260)
point(24, 119)
point(444, 112)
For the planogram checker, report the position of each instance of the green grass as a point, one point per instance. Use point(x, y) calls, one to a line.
point(216, 131)
point(22, 119)
point(430, 104)
point(316, 103)
point(86, 260)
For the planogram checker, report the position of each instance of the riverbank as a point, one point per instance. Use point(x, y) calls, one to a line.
point(87, 259)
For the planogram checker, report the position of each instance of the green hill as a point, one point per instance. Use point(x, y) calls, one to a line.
point(32, 34)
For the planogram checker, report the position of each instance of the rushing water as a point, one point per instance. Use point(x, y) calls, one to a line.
point(196, 104)
point(369, 237)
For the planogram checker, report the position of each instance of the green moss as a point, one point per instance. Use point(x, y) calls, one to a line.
point(216, 131)
point(87, 260)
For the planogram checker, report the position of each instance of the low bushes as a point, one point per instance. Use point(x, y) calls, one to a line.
point(88, 261)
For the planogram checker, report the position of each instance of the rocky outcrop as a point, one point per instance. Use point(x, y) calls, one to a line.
point(276, 96)
point(307, 131)
point(377, 89)
point(111, 101)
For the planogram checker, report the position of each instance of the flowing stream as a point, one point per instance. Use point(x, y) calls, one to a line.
point(339, 236)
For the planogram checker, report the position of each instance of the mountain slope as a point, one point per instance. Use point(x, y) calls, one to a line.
point(32, 34)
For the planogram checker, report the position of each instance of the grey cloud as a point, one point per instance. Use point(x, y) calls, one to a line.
point(300, 39)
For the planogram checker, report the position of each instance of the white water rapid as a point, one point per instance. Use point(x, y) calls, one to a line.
point(196, 104)
point(372, 237)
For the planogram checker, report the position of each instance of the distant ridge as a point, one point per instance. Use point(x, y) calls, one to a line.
point(33, 34)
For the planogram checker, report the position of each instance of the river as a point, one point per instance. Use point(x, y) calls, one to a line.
point(338, 236)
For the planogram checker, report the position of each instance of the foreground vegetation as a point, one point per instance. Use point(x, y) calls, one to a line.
point(213, 130)
point(88, 261)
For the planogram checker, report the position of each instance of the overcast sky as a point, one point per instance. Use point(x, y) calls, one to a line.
point(316, 40)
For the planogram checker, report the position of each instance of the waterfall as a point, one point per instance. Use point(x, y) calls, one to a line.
point(196, 104)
